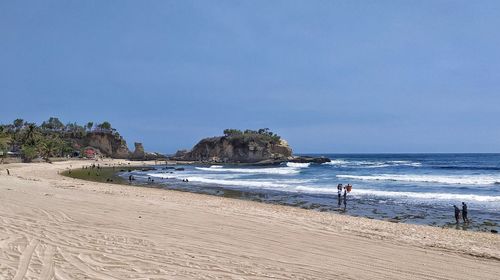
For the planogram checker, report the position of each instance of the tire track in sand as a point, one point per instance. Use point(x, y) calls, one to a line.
point(25, 259)
point(76, 262)
point(48, 264)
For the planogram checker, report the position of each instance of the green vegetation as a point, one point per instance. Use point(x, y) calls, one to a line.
point(4, 143)
point(51, 139)
point(264, 134)
point(102, 175)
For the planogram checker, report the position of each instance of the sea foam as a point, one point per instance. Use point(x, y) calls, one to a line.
point(297, 164)
point(372, 164)
point(442, 179)
point(413, 195)
point(276, 170)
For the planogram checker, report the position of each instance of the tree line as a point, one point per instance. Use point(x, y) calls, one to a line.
point(52, 138)
point(264, 133)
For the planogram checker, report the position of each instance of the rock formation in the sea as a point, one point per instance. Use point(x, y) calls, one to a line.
point(138, 152)
point(309, 159)
point(239, 147)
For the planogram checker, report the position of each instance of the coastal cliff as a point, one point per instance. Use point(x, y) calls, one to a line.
point(108, 144)
point(114, 146)
point(239, 147)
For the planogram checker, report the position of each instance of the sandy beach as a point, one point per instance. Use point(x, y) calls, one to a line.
point(54, 227)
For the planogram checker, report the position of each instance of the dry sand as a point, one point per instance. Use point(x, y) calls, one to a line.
point(53, 227)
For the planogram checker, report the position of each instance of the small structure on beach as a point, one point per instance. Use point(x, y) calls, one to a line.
point(90, 152)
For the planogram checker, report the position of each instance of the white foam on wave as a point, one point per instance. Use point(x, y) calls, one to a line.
point(276, 170)
point(411, 195)
point(239, 183)
point(185, 175)
point(216, 166)
point(442, 179)
point(336, 162)
point(372, 164)
point(276, 185)
point(301, 185)
point(297, 164)
point(232, 180)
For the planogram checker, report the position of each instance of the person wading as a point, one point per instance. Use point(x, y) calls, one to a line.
point(457, 213)
point(339, 191)
point(464, 212)
point(345, 198)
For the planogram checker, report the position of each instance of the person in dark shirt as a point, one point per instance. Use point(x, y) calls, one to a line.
point(464, 212)
point(339, 191)
point(457, 213)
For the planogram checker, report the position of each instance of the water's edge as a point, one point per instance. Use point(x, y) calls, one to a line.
point(319, 202)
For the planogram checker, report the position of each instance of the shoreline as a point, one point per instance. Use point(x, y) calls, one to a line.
point(267, 236)
point(310, 201)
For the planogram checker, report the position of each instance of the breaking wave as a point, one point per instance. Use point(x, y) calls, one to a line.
point(412, 195)
point(297, 164)
point(290, 169)
point(277, 170)
point(442, 179)
point(372, 164)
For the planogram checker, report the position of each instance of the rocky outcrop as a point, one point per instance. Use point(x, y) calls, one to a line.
point(138, 152)
point(108, 144)
point(307, 159)
point(252, 148)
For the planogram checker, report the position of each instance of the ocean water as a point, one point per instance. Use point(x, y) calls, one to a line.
point(413, 188)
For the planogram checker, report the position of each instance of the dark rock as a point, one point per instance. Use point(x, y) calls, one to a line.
point(494, 231)
point(307, 159)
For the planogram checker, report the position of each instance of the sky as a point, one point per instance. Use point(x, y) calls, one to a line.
point(328, 76)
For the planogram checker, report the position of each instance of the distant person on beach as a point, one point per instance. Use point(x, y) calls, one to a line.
point(345, 198)
point(8, 172)
point(339, 191)
point(457, 213)
point(464, 212)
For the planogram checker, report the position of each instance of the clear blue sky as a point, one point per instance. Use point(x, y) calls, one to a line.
point(329, 76)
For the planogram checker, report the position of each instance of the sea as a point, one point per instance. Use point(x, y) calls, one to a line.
point(409, 188)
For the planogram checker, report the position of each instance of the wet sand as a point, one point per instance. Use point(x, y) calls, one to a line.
point(54, 227)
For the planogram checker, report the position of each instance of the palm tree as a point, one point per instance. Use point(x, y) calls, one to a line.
point(31, 134)
point(50, 147)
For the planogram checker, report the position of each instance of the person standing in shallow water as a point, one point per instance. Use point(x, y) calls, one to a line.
point(464, 212)
point(345, 198)
point(339, 191)
point(457, 213)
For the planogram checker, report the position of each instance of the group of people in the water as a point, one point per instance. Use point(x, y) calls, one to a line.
point(342, 193)
point(464, 213)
